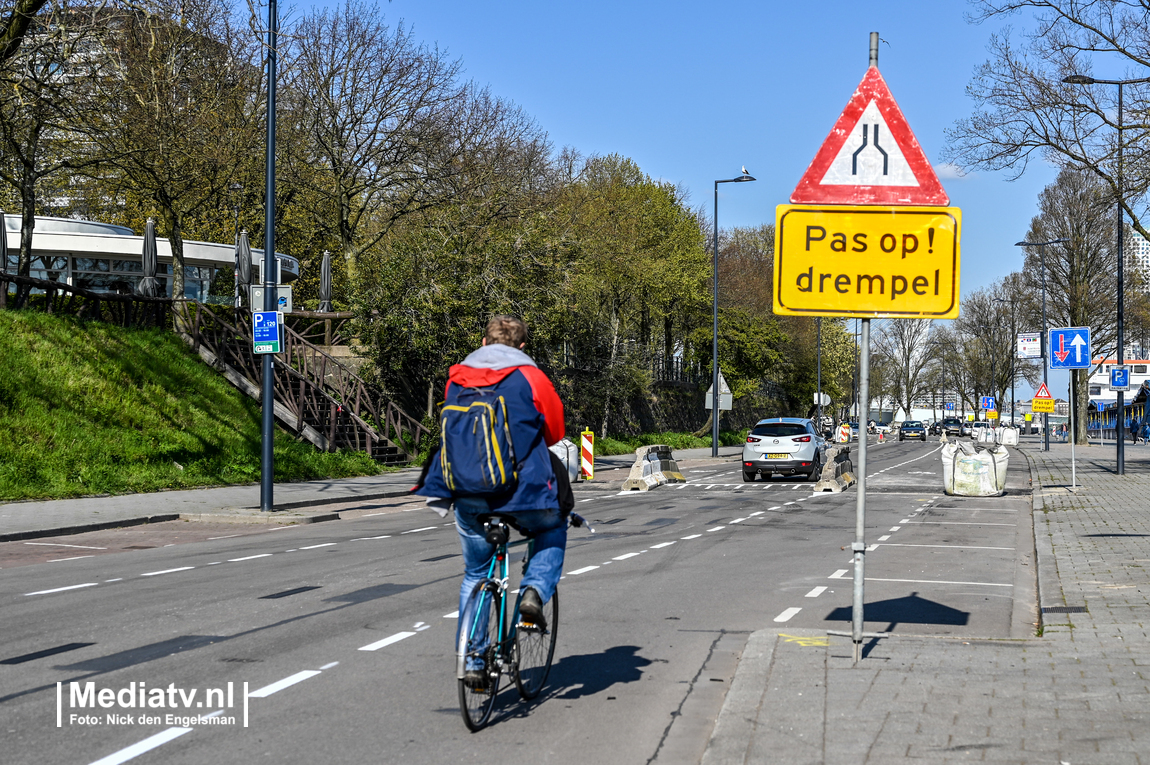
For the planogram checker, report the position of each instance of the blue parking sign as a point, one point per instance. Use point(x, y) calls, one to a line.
point(1119, 378)
point(266, 331)
point(1070, 348)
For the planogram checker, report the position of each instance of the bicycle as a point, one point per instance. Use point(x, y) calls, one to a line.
point(521, 649)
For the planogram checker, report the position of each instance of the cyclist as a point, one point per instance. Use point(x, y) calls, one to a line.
point(535, 417)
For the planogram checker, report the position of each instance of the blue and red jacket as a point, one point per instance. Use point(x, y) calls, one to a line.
point(535, 416)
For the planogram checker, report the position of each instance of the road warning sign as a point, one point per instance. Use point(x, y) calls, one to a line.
point(1042, 401)
point(871, 157)
point(867, 262)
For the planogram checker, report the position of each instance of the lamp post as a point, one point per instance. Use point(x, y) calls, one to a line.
point(1045, 366)
point(1082, 79)
point(1013, 351)
point(715, 326)
point(236, 189)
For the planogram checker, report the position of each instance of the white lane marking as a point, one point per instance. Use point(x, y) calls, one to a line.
point(776, 507)
point(816, 592)
point(62, 589)
point(117, 579)
point(588, 500)
point(387, 641)
point(147, 745)
point(452, 615)
point(693, 536)
point(788, 503)
point(787, 615)
point(906, 520)
point(229, 536)
point(583, 570)
point(664, 544)
point(840, 574)
point(329, 666)
point(895, 528)
point(737, 520)
point(215, 563)
point(371, 515)
point(963, 523)
point(717, 528)
point(168, 571)
point(956, 547)
point(279, 685)
point(757, 512)
point(74, 557)
point(57, 544)
point(412, 531)
point(359, 539)
point(884, 537)
point(871, 548)
point(250, 557)
point(937, 581)
point(312, 547)
point(624, 556)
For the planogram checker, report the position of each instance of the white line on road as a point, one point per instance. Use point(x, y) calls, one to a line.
point(312, 547)
point(74, 557)
point(279, 685)
point(871, 548)
point(583, 570)
point(57, 544)
point(168, 571)
point(737, 520)
point(147, 745)
point(412, 531)
point(624, 556)
point(117, 579)
point(360, 539)
point(786, 616)
point(387, 641)
point(452, 615)
point(228, 536)
point(816, 592)
point(587, 500)
point(936, 581)
point(664, 544)
point(884, 537)
point(963, 523)
point(62, 589)
point(250, 557)
point(757, 512)
point(840, 574)
point(693, 536)
point(717, 528)
point(956, 547)
point(905, 520)
point(776, 507)
point(895, 528)
point(329, 666)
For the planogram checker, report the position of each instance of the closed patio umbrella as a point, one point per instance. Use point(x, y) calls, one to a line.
point(149, 286)
point(3, 243)
point(243, 267)
point(325, 283)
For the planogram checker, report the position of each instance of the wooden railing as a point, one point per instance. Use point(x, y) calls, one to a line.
point(321, 328)
point(328, 403)
point(317, 390)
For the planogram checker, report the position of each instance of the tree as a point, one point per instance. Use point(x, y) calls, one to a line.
point(15, 25)
point(905, 344)
point(174, 110)
point(1024, 110)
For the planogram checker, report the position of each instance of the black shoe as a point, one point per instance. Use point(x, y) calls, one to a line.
point(475, 679)
point(531, 609)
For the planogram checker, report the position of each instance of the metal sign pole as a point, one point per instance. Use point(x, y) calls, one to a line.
point(859, 546)
point(270, 275)
point(1073, 434)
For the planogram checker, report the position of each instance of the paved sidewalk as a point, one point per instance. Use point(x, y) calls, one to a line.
point(1078, 694)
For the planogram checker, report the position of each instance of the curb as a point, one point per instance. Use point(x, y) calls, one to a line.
point(734, 731)
point(332, 500)
point(246, 515)
point(16, 536)
point(1049, 583)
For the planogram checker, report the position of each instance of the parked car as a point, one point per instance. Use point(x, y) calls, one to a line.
point(785, 445)
point(967, 428)
point(912, 429)
point(978, 425)
point(952, 426)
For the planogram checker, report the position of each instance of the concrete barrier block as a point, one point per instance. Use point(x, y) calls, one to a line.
point(654, 466)
point(838, 470)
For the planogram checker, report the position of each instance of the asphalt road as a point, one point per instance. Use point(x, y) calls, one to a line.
point(344, 631)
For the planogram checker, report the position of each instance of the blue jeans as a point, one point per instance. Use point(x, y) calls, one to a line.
point(547, 527)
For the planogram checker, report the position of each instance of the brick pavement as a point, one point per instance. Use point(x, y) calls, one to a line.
point(1078, 694)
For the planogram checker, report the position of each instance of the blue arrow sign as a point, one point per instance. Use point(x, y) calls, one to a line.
point(1070, 348)
point(987, 402)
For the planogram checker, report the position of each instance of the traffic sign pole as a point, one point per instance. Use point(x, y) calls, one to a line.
point(267, 422)
point(859, 546)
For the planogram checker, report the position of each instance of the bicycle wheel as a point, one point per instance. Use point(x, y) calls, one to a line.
point(534, 649)
point(479, 642)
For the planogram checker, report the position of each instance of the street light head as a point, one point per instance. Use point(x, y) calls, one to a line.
point(744, 177)
point(1079, 79)
point(1024, 244)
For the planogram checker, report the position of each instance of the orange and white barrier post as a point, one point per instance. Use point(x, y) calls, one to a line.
point(587, 455)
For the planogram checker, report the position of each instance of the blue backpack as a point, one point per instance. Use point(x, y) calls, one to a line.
point(475, 449)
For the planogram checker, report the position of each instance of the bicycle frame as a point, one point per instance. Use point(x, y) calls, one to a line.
point(497, 573)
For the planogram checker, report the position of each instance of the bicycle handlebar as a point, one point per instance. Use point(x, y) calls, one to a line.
point(578, 520)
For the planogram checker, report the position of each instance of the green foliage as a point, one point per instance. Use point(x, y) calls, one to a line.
point(88, 408)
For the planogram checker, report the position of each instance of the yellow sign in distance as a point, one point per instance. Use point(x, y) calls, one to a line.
point(991, 414)
point(867, 262)
point(1042, 405)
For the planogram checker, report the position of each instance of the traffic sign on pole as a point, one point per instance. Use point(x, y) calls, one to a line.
point(1029, 345)
point(871, 156)
point(1042, 401)
point(987, 402)
point(1119, 378)
point(1070, 348)
point(267, 331)
point(867, 262)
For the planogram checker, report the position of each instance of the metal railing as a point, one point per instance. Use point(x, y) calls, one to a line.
point(63, 299)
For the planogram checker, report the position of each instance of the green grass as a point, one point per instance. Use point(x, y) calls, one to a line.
point(605, 447)
point(90, 408)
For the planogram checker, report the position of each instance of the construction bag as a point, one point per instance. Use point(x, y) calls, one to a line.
point(475, 449)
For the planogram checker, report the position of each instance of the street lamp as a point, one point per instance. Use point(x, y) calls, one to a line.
point(1013, 349)
point(236, 189)
point(715, 327)
point(1082, 79)
point(1042, 254)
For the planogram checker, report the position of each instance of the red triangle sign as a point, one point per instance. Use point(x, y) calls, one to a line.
point(1042, 392)
point(871, 157)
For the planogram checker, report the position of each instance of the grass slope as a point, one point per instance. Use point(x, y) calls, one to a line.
point(89, 408)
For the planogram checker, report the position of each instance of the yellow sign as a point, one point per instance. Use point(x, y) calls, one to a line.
point(1042, 405)
point(991, 414)
point(1028, 417)
point(867, 262)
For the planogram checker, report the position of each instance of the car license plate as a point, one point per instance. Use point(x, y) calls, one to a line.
point(777, 456)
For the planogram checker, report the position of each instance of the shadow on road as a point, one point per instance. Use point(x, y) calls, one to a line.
point(573, 677)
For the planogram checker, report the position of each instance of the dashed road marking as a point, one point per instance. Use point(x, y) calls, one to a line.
point(816, 592)
point(664, 544)
point(250, 557)
point(62, 589)
point(168, 571)
point(895, 528)
point(412, 531)
point(787, 615)
point(147, 745)
point(452, 615)
point(279, 685)
point(386, 641)
point(58, 544)
point(583, 570)
point(840, 574)
point(884, 537)
point(717, 528)
point(312, 547)
point(75, 557)
point(624, 556)
point(693, 536)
